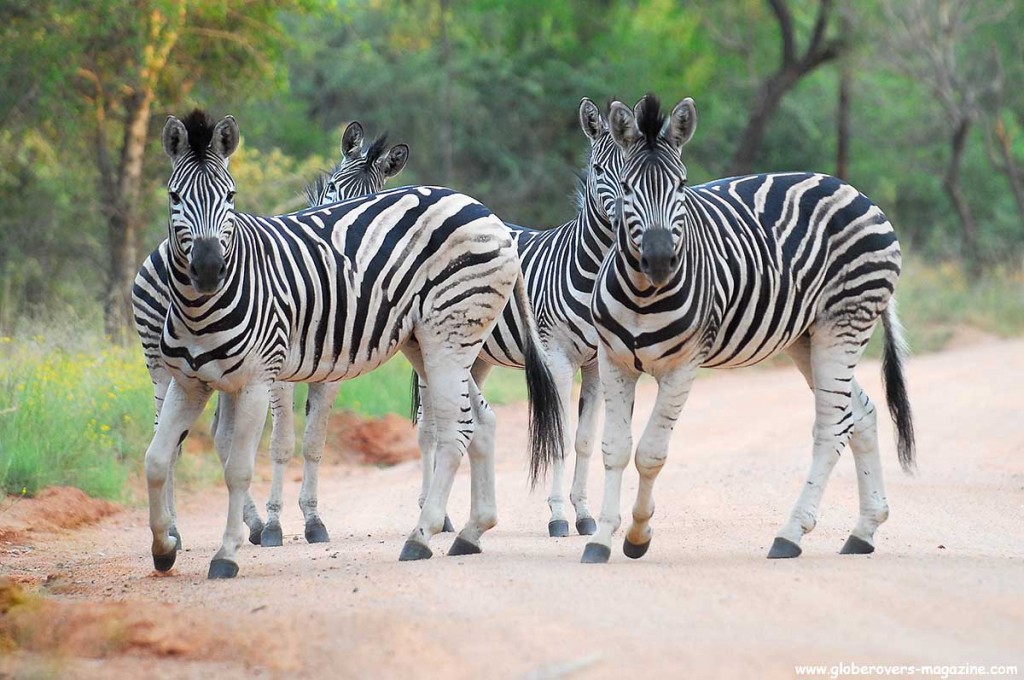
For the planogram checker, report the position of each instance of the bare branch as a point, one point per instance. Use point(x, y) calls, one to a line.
point(785, 19)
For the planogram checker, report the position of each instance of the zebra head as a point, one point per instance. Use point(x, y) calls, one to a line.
point(605, 158)
point(358, 172)
point(201, 194)
point(652, 204)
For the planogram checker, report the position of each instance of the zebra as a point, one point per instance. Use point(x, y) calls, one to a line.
point(727, 274)
point(360, 171)
point(560, 266)
point(324, 295)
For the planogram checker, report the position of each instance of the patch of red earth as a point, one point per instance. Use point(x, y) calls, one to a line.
point(388, 440)
point(53, 509)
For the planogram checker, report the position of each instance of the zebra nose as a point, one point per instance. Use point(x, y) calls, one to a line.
point(658, 259)
point(207, 268)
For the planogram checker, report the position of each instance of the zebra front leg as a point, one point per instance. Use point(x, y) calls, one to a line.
point(874, 507)
point(448, 392)
point(619, 386)
point(586, 429)
point(562, 373)
point(161, 381)
point(282, 448)
point(180, 409)
point(248, 414)
point(673, 390)
point(318, 412)
point(223, 431)
point(832, 358)
point(483, 509)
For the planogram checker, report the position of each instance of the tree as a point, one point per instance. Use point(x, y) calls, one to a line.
point(119, 61)
point(793, 65)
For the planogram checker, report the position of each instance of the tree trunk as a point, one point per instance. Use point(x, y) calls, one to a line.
point(447, 124)
point(1009, 167)
point(768, 100)
point(951, 183)
point(843, 107)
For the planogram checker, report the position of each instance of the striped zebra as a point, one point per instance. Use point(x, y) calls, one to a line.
point(560, 266)
point(359, 172)
point(727, 274)
point(325, 295)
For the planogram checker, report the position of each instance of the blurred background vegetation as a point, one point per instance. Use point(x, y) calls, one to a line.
point(916, 102)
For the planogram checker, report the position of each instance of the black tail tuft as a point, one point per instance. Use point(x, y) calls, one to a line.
point(896, 387)
point(414, 398)
point(547, 435)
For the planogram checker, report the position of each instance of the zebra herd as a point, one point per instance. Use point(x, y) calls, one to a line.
point(652, 276)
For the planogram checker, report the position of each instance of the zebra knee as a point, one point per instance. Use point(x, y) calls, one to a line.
point(650, 460)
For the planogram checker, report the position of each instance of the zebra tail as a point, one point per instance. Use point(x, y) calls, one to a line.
point(414, 398)
point(547, 442)
point(893, 354)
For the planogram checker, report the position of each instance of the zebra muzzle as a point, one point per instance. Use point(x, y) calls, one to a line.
point(658, 259)
point(207, 268)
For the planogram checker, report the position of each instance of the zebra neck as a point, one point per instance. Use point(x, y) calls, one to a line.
point(593, 235)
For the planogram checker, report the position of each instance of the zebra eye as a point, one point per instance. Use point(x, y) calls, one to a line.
point(175, 198)
point(231, 197)
point(598, 170)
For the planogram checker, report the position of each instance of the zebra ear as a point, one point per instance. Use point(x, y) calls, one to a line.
point(622, 125)
point(225, 137)
point(682, 123)
point(174, 138)
point(352, 140)
point(394, 161)
point(591, 120)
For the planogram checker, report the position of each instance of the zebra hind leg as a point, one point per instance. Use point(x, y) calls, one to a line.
point(282, 448)
point(483, 510)
point(558, 525)
point(586, 429)
point(448, 391)
point(828, 357)
point(318, 412)
point(874, 507)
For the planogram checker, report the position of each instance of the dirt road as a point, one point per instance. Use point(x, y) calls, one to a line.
point(945, 586)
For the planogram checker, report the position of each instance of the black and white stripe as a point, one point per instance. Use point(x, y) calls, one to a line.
point(360, 171)
point(727, 274)
point(324, 295)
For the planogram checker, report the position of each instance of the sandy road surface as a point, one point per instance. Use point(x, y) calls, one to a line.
point(946, 585)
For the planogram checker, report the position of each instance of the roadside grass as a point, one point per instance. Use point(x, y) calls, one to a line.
point(76, 411)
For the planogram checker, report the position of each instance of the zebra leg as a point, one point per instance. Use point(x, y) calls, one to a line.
point(586, 428)
point(831, 360)
point(318, 412)
point(874, 508)
point(161, 381)
point(452, 409)
point(180, 409)
point(282, 448)
point(619, 385)
point(483, 509)
point(673, 390)
point(223, 430)
point(248, 414)
point(562, 372)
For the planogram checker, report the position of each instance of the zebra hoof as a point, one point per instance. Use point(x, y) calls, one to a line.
point(463, 547)
point(783, 549)
point(595, 553)
point(558, 528)
point(856, 546)
point(586, 526)
point(272, 536)
point(222, 569)
point(316, 532)
point(634, 551)
point(413, 550)
point(163, 563)
point(256, 532)
point(448, 527)
point(177, 537)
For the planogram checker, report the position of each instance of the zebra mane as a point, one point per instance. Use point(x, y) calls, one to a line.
point(650, 120)
point(376, 149)
point(199, 126)
point(315, 189)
